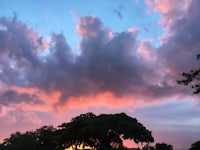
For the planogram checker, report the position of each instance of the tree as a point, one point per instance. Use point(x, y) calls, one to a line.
point(158, 146)
point(147, 147)
point(2, 147)
point(195, 146)
point(45, 136)
point(163, 146)
point(106, 131)
point(77, 132)
point(19, 141)
point(192, 78)
point(40, 139)
point(103, 132)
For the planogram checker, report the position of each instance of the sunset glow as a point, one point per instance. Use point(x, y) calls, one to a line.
point(79, 147)
point(59, 59)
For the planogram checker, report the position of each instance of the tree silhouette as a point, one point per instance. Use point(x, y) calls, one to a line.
point(147, 147)
point(41, 139)
point(76, 132)
point(19, 141)
point(103, 131)
point(163, 146)
point(195, 146)
point(46, 138)
point(192, 78)
point(158, 146)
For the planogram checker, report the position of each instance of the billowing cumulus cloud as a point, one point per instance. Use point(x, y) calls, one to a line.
point(179, 52)
point(171, 10)
point(108, 62)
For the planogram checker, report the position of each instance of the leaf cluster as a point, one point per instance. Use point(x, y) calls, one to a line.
point(192, 78)
point(158, 146)
point(195, 146)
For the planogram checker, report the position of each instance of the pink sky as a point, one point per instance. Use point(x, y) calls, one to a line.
point(44, 80)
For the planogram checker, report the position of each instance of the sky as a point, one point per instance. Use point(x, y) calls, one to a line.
point(59, 59)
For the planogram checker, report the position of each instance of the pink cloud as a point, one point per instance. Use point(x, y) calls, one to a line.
point(89, 27)
point(169, 9)
point(106, 99)
point(28, 116)
point(111, 62)
point(134, 30)
point(75, 15)
point(147, 51)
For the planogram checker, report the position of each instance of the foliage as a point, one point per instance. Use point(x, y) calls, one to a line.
point(103, 132)
point(19, 141)
point(41, 139)
point(192, 78)
point(147, 147)
point(163, 146)
point(46, 138)
point(195, 146)
point(158, 146)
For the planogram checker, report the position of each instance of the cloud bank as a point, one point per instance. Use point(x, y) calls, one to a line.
point(108, 62)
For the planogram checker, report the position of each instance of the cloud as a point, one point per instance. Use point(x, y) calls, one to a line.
point(116, 63)
point(111, 62)
point(89, 27)
point(75, 15)
point(11, 96)
point(3, 28)
point(171, 10)
point(14, 118)
point(179, 52)
point(118, 11)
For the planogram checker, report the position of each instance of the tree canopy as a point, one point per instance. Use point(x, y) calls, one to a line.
point(163, 146)
point(158, 146)
point(103, 132)
point(40, 139)
point(192, 78)
point(195, 146)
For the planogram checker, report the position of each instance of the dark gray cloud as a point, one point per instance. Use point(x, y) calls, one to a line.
point(12, 97)
point(118, 13)
point(108, 62)
point(18, 51)
point(179, 53)
point(16, 42)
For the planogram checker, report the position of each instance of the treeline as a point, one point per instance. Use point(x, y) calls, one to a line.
point(103, 132)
